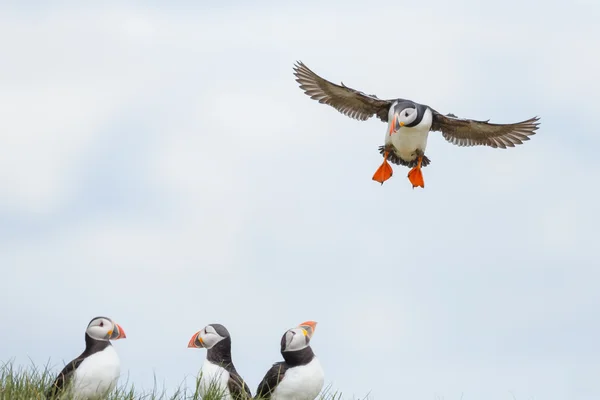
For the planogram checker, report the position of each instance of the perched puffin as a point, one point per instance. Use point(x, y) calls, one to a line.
point(409, 124)
point(95, 372)
point(300, 376)
point(218, 372)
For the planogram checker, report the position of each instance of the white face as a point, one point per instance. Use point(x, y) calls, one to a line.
point(208, 337)
point(295, 339)
point(407, 116)
point(99, 328)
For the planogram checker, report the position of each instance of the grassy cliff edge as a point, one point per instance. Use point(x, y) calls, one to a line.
point(31, 383)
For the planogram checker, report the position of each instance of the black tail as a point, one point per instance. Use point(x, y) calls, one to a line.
point(394, 159)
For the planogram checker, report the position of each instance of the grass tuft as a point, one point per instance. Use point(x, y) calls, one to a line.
point(31, 383)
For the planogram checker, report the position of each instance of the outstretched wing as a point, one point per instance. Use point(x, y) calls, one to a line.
point(238, 388)
point(271, 380)
point(348, 101)
point(468, 132)
point(63, 379)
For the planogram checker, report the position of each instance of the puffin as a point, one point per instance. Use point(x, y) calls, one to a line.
point(409, 124)
point(300, 376)
point(218, 372)
point(96, 371)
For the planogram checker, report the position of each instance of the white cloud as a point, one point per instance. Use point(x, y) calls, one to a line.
point(45, 130)
point(254, 206)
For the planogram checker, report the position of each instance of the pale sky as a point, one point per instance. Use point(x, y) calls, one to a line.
point(159, 165)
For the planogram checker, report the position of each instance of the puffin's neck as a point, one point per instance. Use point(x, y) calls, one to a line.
point(299, 357)
point(94, 345)
point(220, 353)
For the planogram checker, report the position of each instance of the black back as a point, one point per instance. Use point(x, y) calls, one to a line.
point(220, 354)
point(277, 372)
point(64, 377)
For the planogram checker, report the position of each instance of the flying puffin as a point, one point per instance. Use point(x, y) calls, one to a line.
point(218, 372)
point(409, 124)
point(95, 372)
point(300, 376)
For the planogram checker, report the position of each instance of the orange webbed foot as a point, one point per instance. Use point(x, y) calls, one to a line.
point(415, 175)
point(384, 172)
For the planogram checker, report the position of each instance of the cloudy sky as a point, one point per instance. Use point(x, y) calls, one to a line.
point(159, 165)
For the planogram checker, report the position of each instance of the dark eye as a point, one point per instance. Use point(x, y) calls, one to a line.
point(101, 324)
point(406, 113)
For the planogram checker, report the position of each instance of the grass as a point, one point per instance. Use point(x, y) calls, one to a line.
point(30, 383)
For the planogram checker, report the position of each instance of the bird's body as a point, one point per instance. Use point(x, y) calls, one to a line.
point(214, 377)
point(300, 376)
point(218, 374)
point(409, 124)
point(302, 382)
point(408, 143)
point(96, 371)
point(97, 374)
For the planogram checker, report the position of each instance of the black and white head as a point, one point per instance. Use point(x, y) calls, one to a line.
point(103, 328)
point(298, 338)
point(405, 113)
point(209, 336)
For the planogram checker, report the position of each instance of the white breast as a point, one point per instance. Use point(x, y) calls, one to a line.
point(408, 140)
point(214, 377)
point(96, 375)
point(301, 383)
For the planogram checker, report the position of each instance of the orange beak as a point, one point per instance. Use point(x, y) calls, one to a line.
point(117, 333)
point(309, 327)
point(196, 341)
point(393, 125)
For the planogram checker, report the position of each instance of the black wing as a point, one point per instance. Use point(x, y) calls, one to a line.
point(238, 388)
point(468, 132)
point(271, 380)
point(348, 101)
point(63, 379)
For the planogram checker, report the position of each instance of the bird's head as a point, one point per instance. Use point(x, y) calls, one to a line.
point(298, 338)
point(405, 114)
point(209, 336)
point(102, 328)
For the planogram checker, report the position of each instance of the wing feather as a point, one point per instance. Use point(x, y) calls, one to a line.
point(271, 380)
point(348, 101)
point(63, 379)
point(468, 132)
point(237, 387)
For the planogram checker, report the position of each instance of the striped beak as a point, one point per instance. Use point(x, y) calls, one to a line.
point(308, 328)
point(196, 341)
point(116, 332)
point(395, 125)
